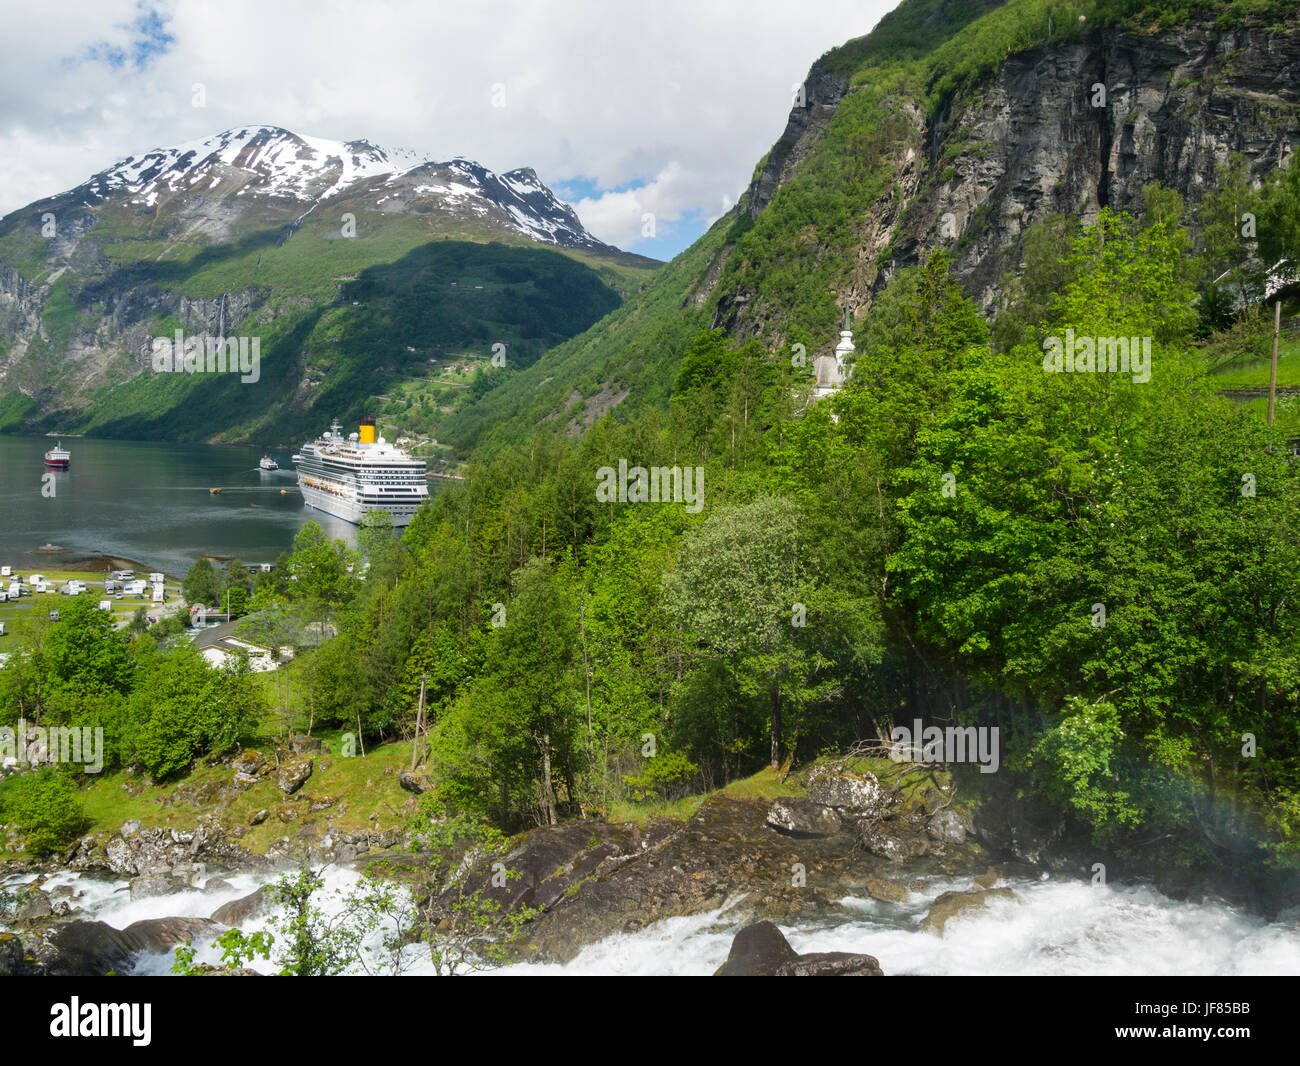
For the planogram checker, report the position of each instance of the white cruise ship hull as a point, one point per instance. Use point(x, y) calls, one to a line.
point(346, 479)
point(351, 510)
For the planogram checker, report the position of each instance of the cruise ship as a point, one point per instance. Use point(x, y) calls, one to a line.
point(347, 477)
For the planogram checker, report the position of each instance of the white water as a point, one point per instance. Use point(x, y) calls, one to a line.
point(1054, 927)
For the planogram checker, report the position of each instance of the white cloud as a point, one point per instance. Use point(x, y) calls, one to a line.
point(675, 101)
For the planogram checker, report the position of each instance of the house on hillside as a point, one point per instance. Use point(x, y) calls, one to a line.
point(219, 647)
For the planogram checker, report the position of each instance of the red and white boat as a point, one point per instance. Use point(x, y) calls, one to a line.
point(58, 457)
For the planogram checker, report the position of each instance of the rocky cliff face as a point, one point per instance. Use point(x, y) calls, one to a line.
point(1071, 128)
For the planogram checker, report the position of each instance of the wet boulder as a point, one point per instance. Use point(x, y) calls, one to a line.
point(239, 911)
point(861, 794)
point(951, 904)
point(803, 818)
point(761, 950)
point(156, 884)
point(94, 949)
point(948, 827)
point(831, 964)
point(887, 891)
point(758, 950)
point(33, 905)
point(895, 841)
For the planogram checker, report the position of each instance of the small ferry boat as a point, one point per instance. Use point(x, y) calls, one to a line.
point(58, 457)
point(267, 463)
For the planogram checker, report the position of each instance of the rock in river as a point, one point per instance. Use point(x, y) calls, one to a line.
point(761, 950)
point(951, 904)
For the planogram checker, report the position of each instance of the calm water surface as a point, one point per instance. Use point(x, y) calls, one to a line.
point(150, 503)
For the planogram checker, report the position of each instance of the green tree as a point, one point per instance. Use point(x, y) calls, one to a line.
point(81, 651)
point(181, 708)
point(46, 808)
point(1279, 216)
point(202, 584)
point(738, 590)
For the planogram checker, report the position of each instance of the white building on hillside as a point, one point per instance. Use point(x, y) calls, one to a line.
point(833, 371)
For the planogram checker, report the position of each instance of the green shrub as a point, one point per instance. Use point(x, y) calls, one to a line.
point(46, 807)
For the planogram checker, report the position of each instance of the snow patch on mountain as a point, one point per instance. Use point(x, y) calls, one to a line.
point(274, 163)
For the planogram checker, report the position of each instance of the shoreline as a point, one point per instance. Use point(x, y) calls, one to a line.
point(93, 563)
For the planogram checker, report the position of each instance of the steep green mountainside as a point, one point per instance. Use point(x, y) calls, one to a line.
point(396, 323)
point(353, 274)
point(955, 125)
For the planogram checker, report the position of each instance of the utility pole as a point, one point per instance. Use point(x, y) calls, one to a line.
point(1272, 370)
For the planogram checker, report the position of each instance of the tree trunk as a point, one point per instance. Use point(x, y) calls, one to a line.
point(775, 700)
point(419, 723)
point(548, 792)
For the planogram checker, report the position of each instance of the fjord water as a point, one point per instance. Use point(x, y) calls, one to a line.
point(149, 502)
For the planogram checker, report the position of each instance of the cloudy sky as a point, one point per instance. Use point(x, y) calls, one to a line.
point(624, 109)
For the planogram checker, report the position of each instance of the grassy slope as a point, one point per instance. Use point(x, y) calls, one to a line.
point(636, 346)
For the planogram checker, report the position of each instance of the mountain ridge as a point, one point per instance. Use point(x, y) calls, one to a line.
point(258, 231)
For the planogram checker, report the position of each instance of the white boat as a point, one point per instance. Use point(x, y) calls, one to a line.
point(348, 477)
point(267, 463)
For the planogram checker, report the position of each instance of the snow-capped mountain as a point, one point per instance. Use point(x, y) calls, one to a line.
point(279, 168)
point(380, 264)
